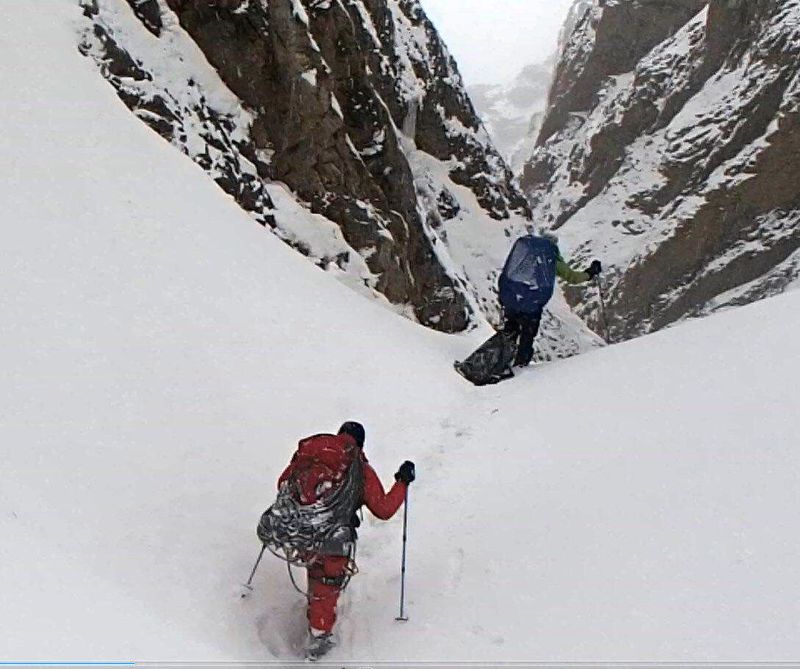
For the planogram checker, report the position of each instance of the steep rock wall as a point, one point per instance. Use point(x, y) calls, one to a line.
point(316, 121)
point(342, 126)
point(681, 172)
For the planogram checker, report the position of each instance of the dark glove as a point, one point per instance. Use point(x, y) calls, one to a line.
point(594, 269)
point(405, 473)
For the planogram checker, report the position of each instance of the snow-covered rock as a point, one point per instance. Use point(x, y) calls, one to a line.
point(671, 151)
point(343, 127)
point(512, 113)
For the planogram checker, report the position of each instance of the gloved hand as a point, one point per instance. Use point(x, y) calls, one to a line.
point(405, 473)
point(594, 269)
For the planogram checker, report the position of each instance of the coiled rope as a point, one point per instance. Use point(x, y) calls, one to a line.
point(301, 533)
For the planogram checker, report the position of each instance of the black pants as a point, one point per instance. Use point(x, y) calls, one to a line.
point(525, 327)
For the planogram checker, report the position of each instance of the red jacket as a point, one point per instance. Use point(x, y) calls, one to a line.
point(383, 505)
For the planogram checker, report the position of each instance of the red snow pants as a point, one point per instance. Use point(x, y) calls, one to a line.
point(325, 578)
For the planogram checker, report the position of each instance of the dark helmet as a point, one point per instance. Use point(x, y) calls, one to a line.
point(549, 235)
point(355, 430)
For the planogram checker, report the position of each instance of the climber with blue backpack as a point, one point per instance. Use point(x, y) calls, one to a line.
point(526, 285)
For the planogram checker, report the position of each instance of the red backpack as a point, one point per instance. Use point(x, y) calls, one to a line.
point(320, 466)
point(318, 497)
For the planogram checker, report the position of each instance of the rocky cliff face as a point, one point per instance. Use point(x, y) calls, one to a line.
point(320, 96)
point(343, 127)
point(671, 149)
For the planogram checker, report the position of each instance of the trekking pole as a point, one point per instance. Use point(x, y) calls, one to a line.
point(602, 307)
point(403, 617)
point(247, 588)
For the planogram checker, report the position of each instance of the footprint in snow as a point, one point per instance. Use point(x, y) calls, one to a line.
point(283, 630)
point(455, 564)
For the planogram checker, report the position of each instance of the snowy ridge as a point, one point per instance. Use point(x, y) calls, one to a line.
point(176, 93)
point(576, 14)
point(411, 41)
point(661, 161)
point(578, 42)
point(419, 81)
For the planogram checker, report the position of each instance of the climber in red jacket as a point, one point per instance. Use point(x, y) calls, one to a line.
point(330, 569)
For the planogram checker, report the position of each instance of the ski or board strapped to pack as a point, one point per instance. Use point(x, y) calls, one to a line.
point(457, 365)
point(525, 285)
point(491, 362)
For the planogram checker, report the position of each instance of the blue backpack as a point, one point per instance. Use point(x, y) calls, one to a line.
point(529, 276)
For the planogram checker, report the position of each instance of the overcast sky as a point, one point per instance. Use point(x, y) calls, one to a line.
point(492, 40)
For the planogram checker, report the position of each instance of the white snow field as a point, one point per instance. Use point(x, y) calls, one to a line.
point(162, 354)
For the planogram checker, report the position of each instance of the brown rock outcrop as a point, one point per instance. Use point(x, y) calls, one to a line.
point(681, 170)
point(331, 91)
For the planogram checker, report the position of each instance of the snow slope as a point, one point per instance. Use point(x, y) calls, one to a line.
point(162, 355)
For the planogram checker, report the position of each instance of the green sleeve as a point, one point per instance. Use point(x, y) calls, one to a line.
point(568, 274)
